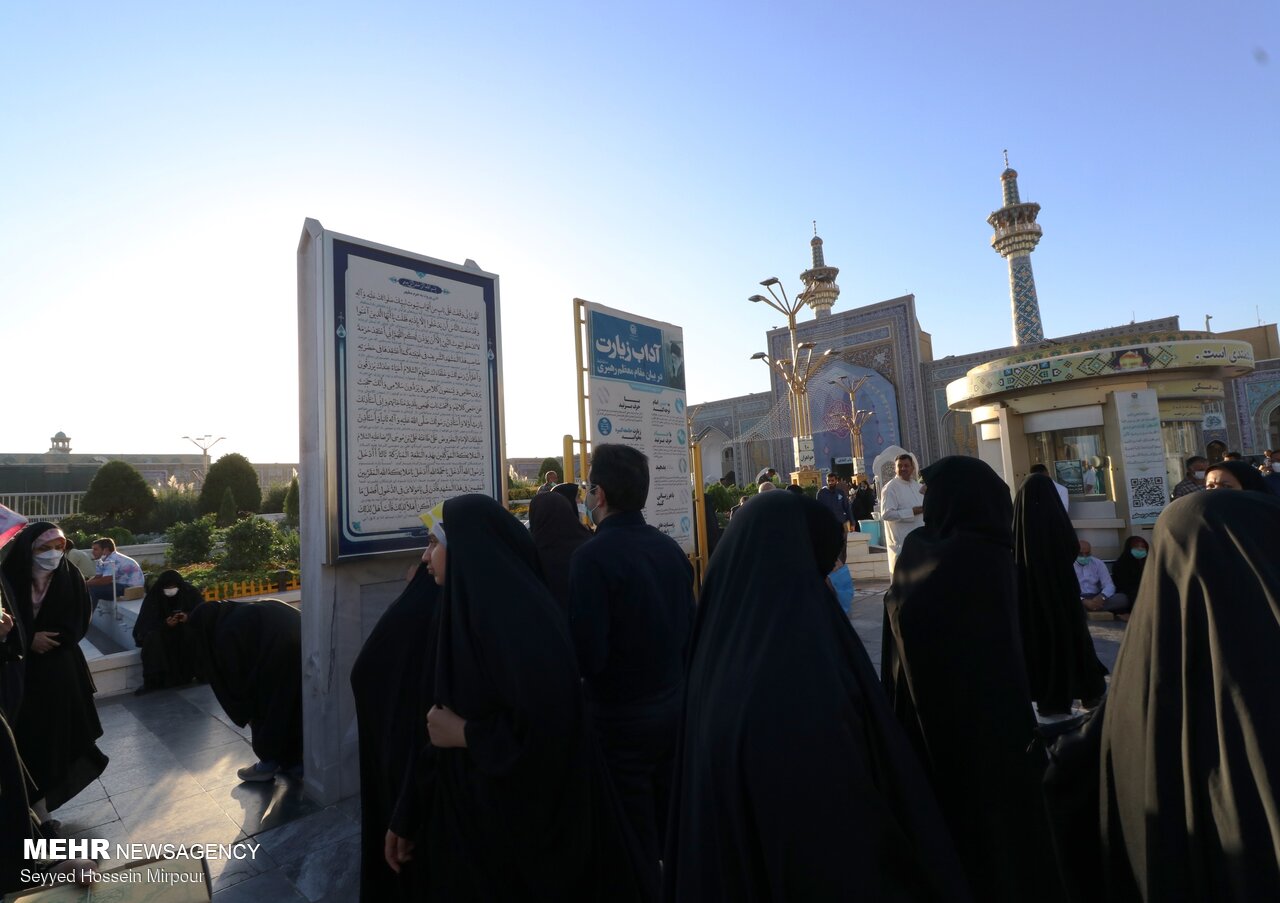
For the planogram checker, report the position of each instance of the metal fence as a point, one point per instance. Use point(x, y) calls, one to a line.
point(50, 506)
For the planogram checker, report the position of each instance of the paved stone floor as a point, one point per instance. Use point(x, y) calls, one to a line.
point(172, 779)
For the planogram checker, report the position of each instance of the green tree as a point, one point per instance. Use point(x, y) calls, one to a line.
point(550, 464)
point(227, 513)
point(232, 472)
point(119, 495)
point(291, 504)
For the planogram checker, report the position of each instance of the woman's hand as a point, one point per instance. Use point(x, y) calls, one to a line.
point(6, 623)
point(447, 728)
point(397, 850)
point(44, 641)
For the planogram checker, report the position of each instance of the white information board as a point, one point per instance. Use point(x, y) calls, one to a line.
point(637, 398)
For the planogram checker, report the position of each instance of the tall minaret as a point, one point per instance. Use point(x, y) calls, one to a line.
point(1017, 234)
point(820, 289)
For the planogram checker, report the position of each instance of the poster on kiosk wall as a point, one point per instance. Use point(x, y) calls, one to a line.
point(636, 389)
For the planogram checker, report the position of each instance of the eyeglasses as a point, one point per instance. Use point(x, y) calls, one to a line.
point(588, 487)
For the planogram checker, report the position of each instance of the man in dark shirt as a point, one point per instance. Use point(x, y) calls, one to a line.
point(835, 499)
point(631, 613)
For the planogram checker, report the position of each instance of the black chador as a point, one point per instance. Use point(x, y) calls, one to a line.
point(521, 812)
point(953, 667)
point(1191, 734)
point(793, 779)
point(161, 635)
point(57, 723)
point(392, 683)
point(251, 654)
point(1061, 663)
point(557, 533)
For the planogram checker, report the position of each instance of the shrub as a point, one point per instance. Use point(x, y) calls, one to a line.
point(119, 495)
point(251, 544)
point(173, 507)
point(721, 496)
point(291, 504)
point(232, 472)
point(192, 541)
point(121, 536)
point(227, 513)
point(273, 499)
point(521, 492)
point(82, 528)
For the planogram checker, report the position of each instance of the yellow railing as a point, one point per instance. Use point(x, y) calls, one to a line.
point(240, 589)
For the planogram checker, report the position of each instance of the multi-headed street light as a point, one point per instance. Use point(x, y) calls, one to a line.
point(854, 420)
point(795, 373)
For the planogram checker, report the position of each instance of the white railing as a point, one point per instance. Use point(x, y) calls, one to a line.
point(50, 506)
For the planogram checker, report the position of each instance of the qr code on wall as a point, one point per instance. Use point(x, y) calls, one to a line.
point(1147, 492)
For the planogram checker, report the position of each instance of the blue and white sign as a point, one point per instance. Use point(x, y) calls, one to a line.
point(636, 388)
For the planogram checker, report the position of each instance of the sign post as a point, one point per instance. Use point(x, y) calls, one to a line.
point(399, 360)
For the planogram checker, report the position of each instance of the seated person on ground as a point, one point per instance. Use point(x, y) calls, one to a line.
point(1126, 571)
point(1097, 592)
point(112, 567)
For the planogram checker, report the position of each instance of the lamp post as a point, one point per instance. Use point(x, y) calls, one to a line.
point(854, 420)
point(200, 443)
point(796, 374)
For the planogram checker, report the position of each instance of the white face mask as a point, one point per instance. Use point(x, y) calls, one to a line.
point(170, 591)
point(1198, 474)
point(1276, 467)
point(47, 561)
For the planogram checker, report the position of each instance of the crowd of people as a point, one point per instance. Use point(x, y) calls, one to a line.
point(581, 729)
point(547, 713)
point(49, 726)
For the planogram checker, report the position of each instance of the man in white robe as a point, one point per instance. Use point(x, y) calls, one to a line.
point(901, 506)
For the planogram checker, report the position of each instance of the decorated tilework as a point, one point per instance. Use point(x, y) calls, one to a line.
point(936, 374)
point(891, 326)
point(1027, 328)
point(1016, 373)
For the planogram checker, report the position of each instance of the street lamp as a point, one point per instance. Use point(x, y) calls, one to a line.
point(203, 443)
point(854, 420)
point(795, 373)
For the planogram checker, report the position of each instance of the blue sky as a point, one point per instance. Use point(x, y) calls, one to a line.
point(662, 158)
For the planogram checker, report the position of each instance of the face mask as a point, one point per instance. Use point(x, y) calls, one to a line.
point(1138, 553)
point(171, 591)
point(1083, 559)
point(1276, 467)
point(47, 561)
point(1198, 474)
point(589, 503)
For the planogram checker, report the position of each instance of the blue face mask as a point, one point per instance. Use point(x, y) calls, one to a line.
point(1083, 559)
point(1138, 553)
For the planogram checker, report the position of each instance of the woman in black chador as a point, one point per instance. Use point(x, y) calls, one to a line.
point(1061, 663)
point(515, 778)
point(557, 533)
point(251, 654)
point(159, 632)
point(1191, 733)
point(392, 682)
point(952, 665)
point(57, 724)
point(1126, 573)
point(793, 780)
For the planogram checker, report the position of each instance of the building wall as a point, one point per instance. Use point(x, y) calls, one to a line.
point(1252, 402)
point(732, 417)
point(884, 337)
